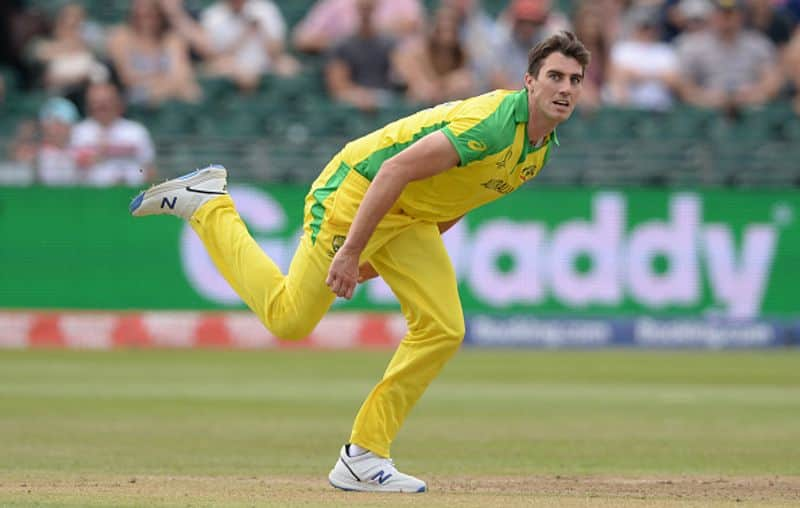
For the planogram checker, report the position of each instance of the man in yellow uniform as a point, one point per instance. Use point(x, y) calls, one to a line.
point(379, 207)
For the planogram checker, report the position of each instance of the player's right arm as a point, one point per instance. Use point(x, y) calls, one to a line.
point(366, 271)
point(429, 156)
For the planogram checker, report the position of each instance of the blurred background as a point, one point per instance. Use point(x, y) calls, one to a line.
point(666, 218)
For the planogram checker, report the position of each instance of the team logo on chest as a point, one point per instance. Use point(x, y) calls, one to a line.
point(528, 172)
point(336, 244)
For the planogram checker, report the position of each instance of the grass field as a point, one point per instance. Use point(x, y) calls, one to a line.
point(498, 428)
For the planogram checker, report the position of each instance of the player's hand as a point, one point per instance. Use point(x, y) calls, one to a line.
point(343, 273)
point(366, 272)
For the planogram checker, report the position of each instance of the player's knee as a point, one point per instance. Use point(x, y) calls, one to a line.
point(287, 330)
point(454, 332)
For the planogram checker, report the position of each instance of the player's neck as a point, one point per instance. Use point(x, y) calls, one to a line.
point(539, 127)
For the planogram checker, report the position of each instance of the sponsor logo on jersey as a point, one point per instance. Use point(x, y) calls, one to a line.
point(501, 164)
point(477, 146)
point(498, 185)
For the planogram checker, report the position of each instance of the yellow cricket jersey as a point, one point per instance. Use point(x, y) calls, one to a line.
point(489, 132)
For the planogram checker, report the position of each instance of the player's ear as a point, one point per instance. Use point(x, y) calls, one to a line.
point(528, 82)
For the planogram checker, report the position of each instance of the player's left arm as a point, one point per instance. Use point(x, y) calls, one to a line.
point(429, 156)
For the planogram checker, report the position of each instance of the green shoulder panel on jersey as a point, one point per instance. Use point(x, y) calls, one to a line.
point(369, 167)
point(481, 133)
point(321, 194)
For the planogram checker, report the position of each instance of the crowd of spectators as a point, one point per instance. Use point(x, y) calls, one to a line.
point(646, 54)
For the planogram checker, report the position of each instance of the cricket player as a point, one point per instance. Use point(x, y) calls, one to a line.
point(379, 208)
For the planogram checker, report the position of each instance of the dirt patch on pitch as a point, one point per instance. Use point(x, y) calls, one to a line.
point(688, 488)
point(509, 492)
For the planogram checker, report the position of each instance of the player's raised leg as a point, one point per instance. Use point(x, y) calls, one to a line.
point(289, 306)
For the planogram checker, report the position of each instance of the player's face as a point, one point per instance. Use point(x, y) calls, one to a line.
point(556, 90)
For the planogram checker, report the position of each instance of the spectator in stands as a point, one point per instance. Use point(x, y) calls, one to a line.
point(24, 146)
point(17, 164)
point(19, 26)
point(434, 67)
point(526, 23)
point(331, 21)
point(643, 70)
point(773, 21)
point(791, 59)
point(793, 7)
point(152, 62)
point(478, 33)
point(245, 40)
point(547, 18)
point(589, 28)
point(727, 67)
point(66, 57)
point(358, 70)
point(685, 16)
point(55, 164)
point(611, 14)
point(694, 15)
point(110, 149)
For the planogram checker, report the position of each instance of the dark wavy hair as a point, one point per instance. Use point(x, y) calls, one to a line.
point(563, 42)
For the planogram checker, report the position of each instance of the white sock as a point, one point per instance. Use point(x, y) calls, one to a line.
point(354, 450)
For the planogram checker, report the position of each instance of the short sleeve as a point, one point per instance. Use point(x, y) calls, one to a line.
point(473, 137)
point(271, 20)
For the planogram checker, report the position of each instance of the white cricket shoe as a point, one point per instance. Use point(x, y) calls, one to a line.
point(181, 196)
point(370, 473)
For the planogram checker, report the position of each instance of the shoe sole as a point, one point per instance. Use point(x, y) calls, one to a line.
point(196, 177)
point(366, 487)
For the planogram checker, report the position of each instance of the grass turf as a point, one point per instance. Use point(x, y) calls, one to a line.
point(111, 416)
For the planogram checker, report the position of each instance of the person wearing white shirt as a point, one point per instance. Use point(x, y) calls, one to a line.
point(246, 39)
point(109, 149)
point(644, 71)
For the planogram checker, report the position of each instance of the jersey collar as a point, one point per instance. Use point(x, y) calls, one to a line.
point(521, 114)
point(521, 107)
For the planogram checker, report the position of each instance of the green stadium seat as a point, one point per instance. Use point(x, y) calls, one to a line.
point(791, 129)
point(10, 82)
point(217, 89)
point(231, 124)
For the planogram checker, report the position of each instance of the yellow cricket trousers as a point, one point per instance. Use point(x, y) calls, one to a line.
point(408, 254)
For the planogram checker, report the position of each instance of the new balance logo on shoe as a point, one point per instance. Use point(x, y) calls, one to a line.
point(381, 476)
point(165, 202)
